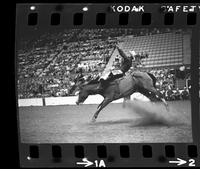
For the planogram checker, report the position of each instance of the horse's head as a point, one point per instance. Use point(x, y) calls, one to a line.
point(86, 89)
point(82, 95)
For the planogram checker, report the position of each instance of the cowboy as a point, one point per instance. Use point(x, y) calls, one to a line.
point(119, 71)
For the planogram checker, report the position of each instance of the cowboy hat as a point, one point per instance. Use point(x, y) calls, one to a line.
point(132, 52)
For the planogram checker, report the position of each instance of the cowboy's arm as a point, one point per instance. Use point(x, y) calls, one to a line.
point(121, 52)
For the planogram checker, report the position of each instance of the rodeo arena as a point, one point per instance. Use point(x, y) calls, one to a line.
point(56, 70)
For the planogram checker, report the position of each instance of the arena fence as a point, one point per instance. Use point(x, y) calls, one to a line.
point(71, 100)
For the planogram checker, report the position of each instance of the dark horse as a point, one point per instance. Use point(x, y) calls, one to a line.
point(121, 88)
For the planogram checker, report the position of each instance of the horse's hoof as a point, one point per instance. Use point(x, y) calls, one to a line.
point(93, 120)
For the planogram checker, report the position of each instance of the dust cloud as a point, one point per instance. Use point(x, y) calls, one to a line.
point(156, 114)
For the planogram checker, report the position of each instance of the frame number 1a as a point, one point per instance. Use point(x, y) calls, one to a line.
point(100, 163)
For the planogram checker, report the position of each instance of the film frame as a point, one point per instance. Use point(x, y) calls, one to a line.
point(123, 154)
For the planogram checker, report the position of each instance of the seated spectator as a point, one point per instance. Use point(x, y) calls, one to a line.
point(177, 94)
point(185, 94)
point(169, 95)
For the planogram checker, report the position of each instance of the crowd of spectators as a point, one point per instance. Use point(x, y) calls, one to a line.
point(166, 84)
point(176, 94)
point(52, 64)
point(89, 55)
point(64, 85)
point(36, 54)
point(165, 78)
point(46, 87)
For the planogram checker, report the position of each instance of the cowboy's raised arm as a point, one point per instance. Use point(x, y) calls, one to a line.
point(121, 52)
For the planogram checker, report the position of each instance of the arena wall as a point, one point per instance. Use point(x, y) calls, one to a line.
point(71, 100)
point(30, 102)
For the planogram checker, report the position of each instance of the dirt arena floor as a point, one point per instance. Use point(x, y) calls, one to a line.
point(139, 122)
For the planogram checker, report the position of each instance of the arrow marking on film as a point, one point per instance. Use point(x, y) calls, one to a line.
point(179, 161)
point(85, 162)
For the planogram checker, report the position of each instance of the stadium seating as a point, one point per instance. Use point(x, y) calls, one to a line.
point(163, 49)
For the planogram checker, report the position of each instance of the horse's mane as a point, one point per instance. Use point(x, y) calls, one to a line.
point(94, 81)
point(91, 82)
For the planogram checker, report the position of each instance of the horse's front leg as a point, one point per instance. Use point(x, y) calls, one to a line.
point(125, 100)
point(103, 104)
point(124, 103)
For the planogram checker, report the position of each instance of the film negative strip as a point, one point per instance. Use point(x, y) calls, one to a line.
point(108, 85)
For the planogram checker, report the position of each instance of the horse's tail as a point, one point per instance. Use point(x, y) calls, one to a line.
point(153, 78)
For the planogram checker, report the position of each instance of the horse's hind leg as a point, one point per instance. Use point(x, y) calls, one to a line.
point(159, 95)
point(103, 104)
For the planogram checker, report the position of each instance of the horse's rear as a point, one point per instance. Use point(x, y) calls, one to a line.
point(140, 82)
point(131, 82)
point(127, 85)
point(146, 84)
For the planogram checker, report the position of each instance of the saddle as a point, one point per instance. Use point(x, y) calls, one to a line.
point(93, 81)
point(117, 76)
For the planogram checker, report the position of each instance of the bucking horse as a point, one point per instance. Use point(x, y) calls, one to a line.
point(122, 87)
